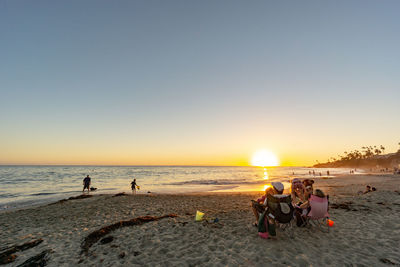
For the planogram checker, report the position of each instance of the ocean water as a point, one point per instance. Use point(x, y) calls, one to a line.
point(22, 186)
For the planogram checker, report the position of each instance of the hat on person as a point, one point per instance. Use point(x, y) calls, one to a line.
point(308, 182)
point(296, 183)
point(278, 186)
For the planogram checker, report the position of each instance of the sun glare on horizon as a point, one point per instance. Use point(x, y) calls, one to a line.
point(264, 158)
point(266, 186)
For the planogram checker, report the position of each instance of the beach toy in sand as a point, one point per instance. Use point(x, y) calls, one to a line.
point(330, 223)
point(199, 216)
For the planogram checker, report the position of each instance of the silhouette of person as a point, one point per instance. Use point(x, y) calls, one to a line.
point(133, 186)
point(86, 183)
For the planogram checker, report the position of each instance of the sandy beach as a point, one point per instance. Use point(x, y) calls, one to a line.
point(367, 233)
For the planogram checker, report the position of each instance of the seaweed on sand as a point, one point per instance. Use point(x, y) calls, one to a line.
point(344, 205)
point(7, 255)
point(95, 236)
point(40, 259)
point(71, 198)
point(120, 194)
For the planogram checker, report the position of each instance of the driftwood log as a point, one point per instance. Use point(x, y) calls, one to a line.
point(95, 236)
point(7, 255)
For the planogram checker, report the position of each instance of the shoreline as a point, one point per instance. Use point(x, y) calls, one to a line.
point(43, 185)
point(342, 177)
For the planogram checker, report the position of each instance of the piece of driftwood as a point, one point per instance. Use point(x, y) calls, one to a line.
point(7, 255)
point(95, 236)
point(40, 259)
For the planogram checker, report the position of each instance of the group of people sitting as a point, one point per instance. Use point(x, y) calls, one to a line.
point(368, 189)
point(296, 205)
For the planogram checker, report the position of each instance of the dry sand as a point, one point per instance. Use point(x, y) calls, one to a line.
point(366, 235)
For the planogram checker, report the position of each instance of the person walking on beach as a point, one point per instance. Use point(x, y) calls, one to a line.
point(86, 183)
point(133, 186)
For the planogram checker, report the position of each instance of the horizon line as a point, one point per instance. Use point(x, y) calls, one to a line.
point(122, 165)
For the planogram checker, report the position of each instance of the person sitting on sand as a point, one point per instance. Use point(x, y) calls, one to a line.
point(86, 183)
point(133, 186)
point(367, 189)
point(306, 205)
point(308, 185)
point(303, 209)
point(302, 206)
point(297, 191)
point(258, 206)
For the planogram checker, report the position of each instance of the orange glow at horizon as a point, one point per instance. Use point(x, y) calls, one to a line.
point(39, 153)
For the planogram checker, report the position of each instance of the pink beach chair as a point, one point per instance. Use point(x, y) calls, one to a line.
point(319, 212)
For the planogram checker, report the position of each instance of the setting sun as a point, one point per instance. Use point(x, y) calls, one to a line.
point(264, 158)
point(266, 186)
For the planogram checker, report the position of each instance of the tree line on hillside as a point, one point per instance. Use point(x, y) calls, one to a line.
point(368, 156)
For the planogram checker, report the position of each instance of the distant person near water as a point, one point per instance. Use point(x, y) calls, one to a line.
point(86, 183)
point(134, 186)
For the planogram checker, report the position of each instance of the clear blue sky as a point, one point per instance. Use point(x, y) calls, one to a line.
point(196, 82)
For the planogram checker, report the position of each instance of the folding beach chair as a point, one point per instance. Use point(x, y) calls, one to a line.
point(281, 210)
point(318, 214)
